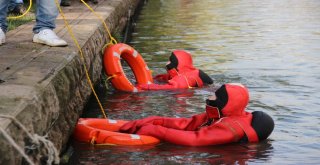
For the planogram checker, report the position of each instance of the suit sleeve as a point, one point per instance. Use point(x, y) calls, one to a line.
point(162, 77)
point(212, 135)
point(176, 123)
point(187, 124)
point(178, 82)
point(170, 85)
point(133, 126)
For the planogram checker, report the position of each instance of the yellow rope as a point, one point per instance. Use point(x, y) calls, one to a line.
point(22, 15)
point(185, 77)
point(106, 80)
point(105, 144)
point(112, 40)
point(93, 140)
point(110, 77)
point(82, 57)
point(106, 45)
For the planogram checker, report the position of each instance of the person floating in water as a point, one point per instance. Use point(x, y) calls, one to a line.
point(180, 74)
point(225, 121)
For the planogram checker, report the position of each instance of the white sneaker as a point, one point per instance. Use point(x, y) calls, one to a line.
point(49, 37)
point(2, 37)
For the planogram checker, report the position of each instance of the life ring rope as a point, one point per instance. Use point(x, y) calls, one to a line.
point(70, 31)
point(110, 77)
point(93, 140)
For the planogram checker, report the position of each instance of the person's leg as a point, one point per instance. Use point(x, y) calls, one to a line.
point(16, 7)
point(46, 14)
point(3, 20)
point(12, 4)
point(3, 14)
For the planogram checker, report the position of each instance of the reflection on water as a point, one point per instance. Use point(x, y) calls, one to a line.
point(270, 46)
point(170, 154)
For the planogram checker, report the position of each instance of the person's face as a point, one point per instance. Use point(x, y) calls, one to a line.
point(168, 64)
point(213, 97)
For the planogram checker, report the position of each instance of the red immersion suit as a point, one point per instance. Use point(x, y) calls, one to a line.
point(229, 124)
point(180, 74)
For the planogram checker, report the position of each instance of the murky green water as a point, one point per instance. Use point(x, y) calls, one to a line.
point(273, 47)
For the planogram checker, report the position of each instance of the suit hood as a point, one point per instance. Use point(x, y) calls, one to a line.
point(181, 60)
point(238, 98)
point(231, 100)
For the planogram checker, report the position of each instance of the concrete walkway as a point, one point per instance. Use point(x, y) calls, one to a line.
point(44, 87)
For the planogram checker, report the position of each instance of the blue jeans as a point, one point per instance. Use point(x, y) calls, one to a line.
point(46, 14)
point(13, 4)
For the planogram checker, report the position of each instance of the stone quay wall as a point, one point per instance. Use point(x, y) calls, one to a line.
point(45, 88)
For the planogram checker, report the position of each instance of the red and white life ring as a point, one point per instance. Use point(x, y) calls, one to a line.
point(113, 67)
point(105, 132)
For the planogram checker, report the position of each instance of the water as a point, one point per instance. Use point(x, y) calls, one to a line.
point(270, 46)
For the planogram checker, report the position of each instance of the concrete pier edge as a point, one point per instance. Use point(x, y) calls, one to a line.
point(45, 88)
